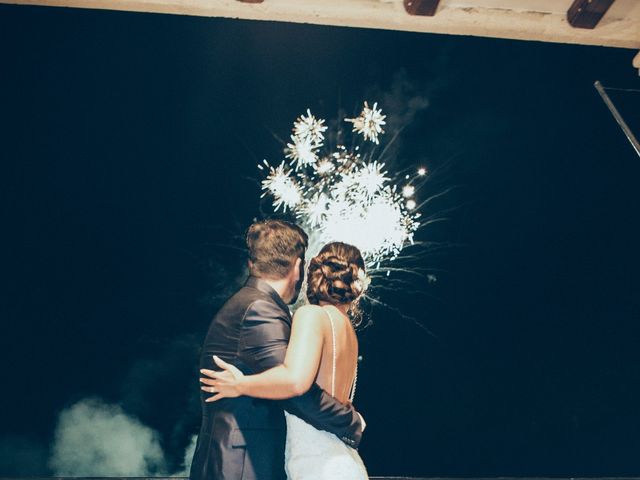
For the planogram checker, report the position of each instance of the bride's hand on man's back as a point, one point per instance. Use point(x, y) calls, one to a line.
point(224, 383)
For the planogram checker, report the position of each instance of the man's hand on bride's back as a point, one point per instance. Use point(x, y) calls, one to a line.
point(364, 424)
point(224, 383)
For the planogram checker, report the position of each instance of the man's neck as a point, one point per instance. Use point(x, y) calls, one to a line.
point(280, 286)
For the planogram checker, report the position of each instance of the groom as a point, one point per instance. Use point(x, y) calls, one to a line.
point(243, 438)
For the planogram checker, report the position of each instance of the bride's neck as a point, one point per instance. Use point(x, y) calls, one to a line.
point(343, 307)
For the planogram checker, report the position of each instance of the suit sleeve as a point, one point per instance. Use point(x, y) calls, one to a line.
point(263, 345)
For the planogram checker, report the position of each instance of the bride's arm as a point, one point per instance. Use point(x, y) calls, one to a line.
point(294, 377)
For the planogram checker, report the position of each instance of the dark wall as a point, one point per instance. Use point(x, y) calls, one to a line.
point(128, 146)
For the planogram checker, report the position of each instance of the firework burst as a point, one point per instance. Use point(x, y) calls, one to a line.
point(369, 122)
point(344, 195)
point(285, 190)
point(309, 128)
point(301, 152)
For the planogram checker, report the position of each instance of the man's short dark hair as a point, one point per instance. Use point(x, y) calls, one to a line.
point(274, 246)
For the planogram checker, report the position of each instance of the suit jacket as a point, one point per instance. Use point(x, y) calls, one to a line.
point(244, 437)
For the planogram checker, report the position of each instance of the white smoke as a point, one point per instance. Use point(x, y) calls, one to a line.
point(188, 456)
point(97, 439)
point(402, 100)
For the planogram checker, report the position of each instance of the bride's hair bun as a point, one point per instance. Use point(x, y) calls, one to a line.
point(336, 275)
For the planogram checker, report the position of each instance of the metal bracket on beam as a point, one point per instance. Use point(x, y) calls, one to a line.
point(587, 13)
point(421, 7)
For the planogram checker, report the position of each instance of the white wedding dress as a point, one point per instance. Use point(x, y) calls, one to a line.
point(312, 454)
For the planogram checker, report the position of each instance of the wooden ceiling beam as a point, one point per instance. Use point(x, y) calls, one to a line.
point(520, 19)
point(587, 13)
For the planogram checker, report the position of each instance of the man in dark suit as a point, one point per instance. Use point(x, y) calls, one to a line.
point(244, 438)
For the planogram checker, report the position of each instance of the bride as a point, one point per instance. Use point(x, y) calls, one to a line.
point(323, 348)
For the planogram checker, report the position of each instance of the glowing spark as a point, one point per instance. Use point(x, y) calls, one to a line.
point(365, 181)
point(316, 210)
point(378, 226)
point(371, 177)
point(301, 152)
point(369, 122)
point(408, 191)
point(422, 171)
point(324, 166)
point(286, 192)
point(309, 128)
point(411, 204)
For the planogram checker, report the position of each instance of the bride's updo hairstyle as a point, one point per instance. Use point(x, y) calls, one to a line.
point(336, 275)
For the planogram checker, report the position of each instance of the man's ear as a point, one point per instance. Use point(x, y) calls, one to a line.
point(250, 265)
point(296, 268)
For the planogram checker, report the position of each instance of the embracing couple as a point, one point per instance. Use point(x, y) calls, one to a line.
point(277, 392)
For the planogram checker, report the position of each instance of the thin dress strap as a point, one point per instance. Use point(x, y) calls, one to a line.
point(353, 385)
point(333, 365)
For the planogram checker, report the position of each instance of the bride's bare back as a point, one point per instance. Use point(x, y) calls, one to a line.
point(346, 352)
point(312, 454)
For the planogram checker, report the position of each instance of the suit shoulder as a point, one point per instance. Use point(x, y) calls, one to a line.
point(244, 298)
point(264, 308)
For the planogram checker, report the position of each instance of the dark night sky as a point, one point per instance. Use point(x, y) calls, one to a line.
point(127, 145)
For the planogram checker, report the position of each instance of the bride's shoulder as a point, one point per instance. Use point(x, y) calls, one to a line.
point(309, 313)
